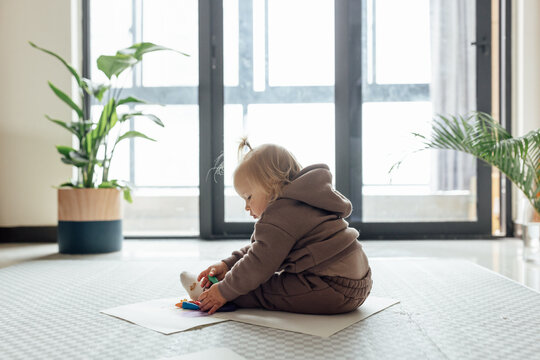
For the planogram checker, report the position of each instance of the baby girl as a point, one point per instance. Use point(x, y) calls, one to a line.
point(303, 257)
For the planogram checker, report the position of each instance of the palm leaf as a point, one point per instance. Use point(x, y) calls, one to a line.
point(481, 136)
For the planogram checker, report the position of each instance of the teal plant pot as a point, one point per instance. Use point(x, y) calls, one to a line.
point(89, 237)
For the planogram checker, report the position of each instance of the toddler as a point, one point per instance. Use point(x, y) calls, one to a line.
point(303, 257)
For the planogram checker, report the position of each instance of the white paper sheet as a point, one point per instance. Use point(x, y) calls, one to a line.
point(318, 325)
point(215, 353)
point(162, 315)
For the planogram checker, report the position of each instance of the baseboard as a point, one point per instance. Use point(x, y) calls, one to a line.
point(28, 234)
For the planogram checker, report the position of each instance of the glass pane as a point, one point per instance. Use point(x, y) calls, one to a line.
point(300, 47)
point(296, 115)
point(416, 77)
point(164, 174)
point(402, 38)
point(171, 23)
point(172, 160)
point(110, 24)
point(402, 118)
point(230, 43)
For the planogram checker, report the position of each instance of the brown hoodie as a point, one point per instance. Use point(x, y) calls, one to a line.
point(302, 231)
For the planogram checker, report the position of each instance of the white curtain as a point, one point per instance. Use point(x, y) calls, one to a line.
point(453, 83)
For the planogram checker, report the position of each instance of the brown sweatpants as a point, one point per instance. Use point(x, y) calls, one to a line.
point(308, 293)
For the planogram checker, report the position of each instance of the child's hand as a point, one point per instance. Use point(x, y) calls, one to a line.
point(211, 300)
point(218, 270)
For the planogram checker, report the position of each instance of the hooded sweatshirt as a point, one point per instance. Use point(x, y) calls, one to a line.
point(303, 230)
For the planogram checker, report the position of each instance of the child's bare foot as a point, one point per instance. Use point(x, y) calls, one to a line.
point(190, 283)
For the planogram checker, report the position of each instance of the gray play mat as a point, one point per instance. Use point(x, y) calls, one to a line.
point(449, 309)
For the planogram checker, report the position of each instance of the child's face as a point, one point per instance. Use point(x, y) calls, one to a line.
point(256, 199)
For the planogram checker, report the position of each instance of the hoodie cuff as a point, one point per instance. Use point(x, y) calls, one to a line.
point(230, 261)
point(226, 291)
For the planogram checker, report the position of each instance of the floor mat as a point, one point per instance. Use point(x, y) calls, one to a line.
point(449, 309)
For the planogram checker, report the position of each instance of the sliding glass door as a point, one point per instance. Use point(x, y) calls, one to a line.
point(394, 65)
point(417, 62)
point(414, 60)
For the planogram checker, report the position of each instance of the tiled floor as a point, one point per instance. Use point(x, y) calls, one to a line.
point(504, 256)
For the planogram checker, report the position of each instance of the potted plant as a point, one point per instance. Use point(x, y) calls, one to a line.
point(516, 157)
point(89, 208)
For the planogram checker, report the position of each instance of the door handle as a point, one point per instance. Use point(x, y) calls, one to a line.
point(483, 45)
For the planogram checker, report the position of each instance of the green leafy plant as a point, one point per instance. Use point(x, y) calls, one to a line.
point(481, 136)
point(95, 143)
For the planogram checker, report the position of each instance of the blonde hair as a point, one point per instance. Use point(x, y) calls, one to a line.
point(269, 167)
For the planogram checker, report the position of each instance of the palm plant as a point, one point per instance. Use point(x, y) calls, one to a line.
point(95, 143)
point(481, 136)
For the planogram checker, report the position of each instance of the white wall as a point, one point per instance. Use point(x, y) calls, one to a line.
point(29, 163)
point(525, 80)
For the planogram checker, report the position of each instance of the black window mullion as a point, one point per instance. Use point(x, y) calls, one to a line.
point(348, 90)
point(244, 95)
point(483, 95)
point(86, 53)
point(506, 104)
point(210, 114)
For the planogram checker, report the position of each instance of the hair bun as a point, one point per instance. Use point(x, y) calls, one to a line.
point(243, 143)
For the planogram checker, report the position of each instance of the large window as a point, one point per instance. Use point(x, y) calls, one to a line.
point(337, 82)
